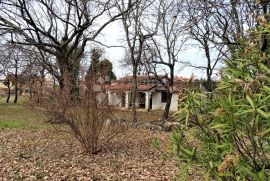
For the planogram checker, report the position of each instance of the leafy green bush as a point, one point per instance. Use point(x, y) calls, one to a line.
point(231, 127)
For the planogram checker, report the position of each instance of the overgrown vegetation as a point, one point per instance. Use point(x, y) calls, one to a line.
point(92, 123)
point(232, 124)
point(89, 117)
point(43, 55)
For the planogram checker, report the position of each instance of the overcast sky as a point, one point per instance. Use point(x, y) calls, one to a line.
point(113, 35)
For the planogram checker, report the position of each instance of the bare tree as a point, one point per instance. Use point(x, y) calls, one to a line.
point(163, 50)
point(137, 30)
point(230, 20)
point(61, 28)
point(5, 68)
point(14, 62)
point(218, 27)
point(201, 29)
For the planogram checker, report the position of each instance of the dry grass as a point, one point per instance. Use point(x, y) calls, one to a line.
point(143, 115)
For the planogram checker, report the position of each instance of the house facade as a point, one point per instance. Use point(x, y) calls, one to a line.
point(151, 94)
point(26, 85)
point(4, 88)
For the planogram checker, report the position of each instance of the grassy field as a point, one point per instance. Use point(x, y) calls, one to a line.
point(19, 115)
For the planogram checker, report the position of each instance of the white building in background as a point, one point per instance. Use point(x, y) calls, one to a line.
point(151, 93)
point(3, 87)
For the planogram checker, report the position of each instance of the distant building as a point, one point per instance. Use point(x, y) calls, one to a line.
point(4, 88)
point(151, 93)
point(36, 85)
point(26, 84)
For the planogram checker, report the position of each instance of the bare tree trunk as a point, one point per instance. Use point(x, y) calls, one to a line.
point(167, 107)
point(69, 74)
point(16, 81)
point(42, 73)
point(74, 83)
point(134, 95)
point(16, 94)
point(264, 37)
point(209, 82)
point(169, 96)
point(135, 37)
point(9, 92)
point(239, 31)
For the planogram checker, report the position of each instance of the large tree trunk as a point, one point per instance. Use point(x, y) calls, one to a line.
point(167, 107)
point(41, 91)
point(9, 92)
point(209, 85)
point(134, 95)
point(169, 96)
point(209, 82)
point(69, 80)
point(236, 21)
point(74, 82)
point(16, 93)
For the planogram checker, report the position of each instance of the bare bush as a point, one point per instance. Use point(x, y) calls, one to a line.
point(53, 105)
point(90, 119)
point(92, 123)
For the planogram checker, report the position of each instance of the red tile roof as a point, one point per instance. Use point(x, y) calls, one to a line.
point(122, 86)
point(146, 83)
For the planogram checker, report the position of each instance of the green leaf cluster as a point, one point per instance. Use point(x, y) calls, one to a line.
point(227, 133)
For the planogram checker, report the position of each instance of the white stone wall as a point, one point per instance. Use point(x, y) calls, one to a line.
point(114, 99)
point(174, 103)
point(158, 105)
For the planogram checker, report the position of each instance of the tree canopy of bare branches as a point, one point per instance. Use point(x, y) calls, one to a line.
point(61, 28)
point(137, 31)
point(163, 49)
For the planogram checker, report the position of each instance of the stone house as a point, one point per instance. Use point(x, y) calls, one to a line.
point(151, 93)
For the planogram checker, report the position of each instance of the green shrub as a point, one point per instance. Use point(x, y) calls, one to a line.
point(231, 127)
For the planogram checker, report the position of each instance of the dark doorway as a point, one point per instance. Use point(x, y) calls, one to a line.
point(142, 100)
point(123, 99)
point(164, 96)
point(129, 99)
point(150, 102)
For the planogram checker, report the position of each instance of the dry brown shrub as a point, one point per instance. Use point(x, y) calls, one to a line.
point(91, 120)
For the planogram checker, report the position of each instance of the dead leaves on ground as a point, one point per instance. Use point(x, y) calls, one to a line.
point(47, 155)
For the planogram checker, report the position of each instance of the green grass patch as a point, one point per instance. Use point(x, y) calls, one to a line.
point(20, 115)
point(11, 124)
